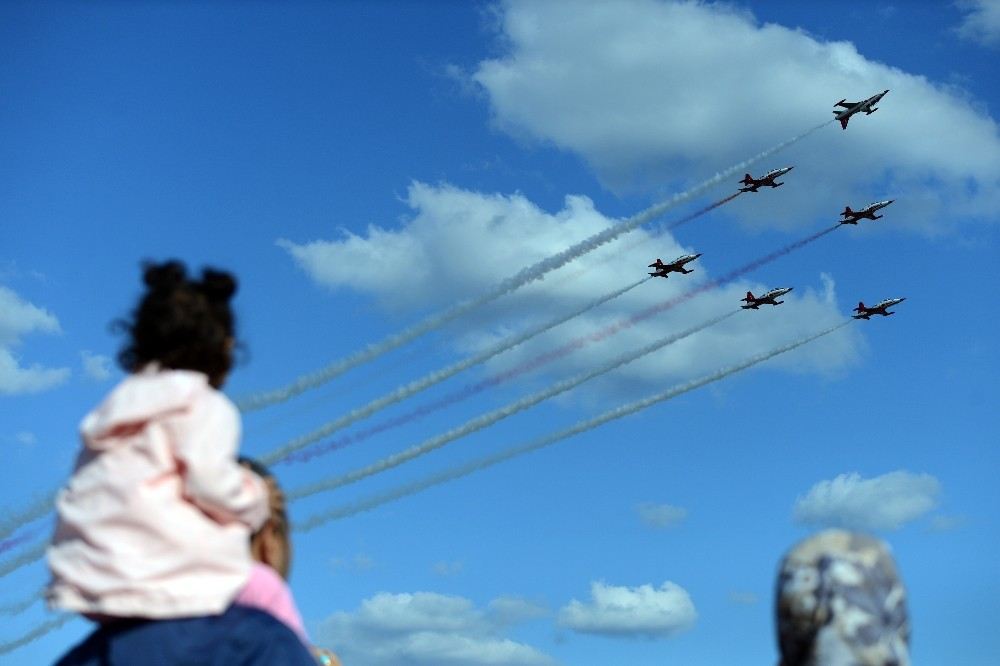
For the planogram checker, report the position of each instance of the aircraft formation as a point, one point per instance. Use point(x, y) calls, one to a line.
point(849, 216)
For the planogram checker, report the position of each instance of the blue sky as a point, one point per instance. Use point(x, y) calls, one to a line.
point(362, 165)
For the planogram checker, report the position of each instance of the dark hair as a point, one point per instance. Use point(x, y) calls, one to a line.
point(255, 466)
point(182, 324)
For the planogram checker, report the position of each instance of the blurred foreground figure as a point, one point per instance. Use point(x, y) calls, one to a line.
point(839, 602)
point(271, 549)
point(152, 537)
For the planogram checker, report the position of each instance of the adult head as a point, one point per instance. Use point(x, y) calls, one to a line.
point(182, 323)
point(839, 602)
point(271, 545)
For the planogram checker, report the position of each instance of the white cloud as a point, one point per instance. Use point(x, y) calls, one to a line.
point(982, 22)
point(96, 366)
point(26, 439)
point(743, 598)
point(946, 523)
point(513, 610)
point(642, 611)
point(444, 568)
point(884, 502)
point(425, 628)
point(508, 233)
point(358, 563)
point(651, 92)
point(19, 318)
point(660, 515)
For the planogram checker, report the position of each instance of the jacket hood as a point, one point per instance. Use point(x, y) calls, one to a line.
point(142, 397)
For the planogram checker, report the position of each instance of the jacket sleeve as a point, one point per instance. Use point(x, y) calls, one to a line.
point(206, 439)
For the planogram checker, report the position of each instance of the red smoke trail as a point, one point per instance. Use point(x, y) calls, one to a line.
point(554, 354)
point(7, 544)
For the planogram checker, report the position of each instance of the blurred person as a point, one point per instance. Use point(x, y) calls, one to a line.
point(155, 520)
point(271, 548)
point(840, 602)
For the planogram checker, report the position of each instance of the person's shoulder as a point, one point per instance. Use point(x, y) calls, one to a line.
point(240, 635)
point(264, 585)
point(257, 638)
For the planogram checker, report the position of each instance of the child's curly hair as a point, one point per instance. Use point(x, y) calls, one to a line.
point(182, 324)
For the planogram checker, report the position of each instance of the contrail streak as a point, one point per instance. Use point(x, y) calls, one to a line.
point(34, 511)
point(35, 633)
point(643, 241)
point(27, 557)
point(17, 541)
point(23, 605)
point(588, 424)
point(260, 400)
point(538, 361)
point(490, 418)
point(431, 379)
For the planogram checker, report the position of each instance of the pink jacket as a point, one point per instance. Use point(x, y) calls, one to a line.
point(269, 592)
point(156, 518)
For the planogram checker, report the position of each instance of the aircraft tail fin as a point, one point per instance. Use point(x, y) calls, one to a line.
point(861, 306)
point(847, 211)
point(747, 179)
point(843, 122)
point(749, 297)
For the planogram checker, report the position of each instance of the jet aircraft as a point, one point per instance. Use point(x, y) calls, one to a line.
point(767, 180)
point(880, 308)
point(850, 108)
point(868, 212)
point(754, 302)
point(663, 270)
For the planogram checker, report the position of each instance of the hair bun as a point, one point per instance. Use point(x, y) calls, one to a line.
point(218, 286)
point(165, 276)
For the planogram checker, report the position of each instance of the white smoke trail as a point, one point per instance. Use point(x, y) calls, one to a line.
point(41, 506)
point(433, 378)
point(490, 418)
point(260, 400)
point(588, 424)
point(20, 606)
point(36, 633)
point(27, 557)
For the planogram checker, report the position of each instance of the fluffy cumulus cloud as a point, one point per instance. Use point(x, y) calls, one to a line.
point(884, 502)
point(629, 612)
point(645, 90)
point(96, 366)
point(660, 516)
point(981, 22)
point(460, 243)
point(425, 628)
point(19, 318)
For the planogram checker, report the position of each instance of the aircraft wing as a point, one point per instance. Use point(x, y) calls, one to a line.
point(847, 105)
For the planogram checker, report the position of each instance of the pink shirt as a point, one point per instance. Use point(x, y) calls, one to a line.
point(268, 591)
point(156, 518)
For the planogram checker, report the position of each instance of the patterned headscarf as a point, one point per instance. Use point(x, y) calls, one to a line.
point(840, 602)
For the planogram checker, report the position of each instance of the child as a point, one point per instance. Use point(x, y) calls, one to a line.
point(155, 521)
